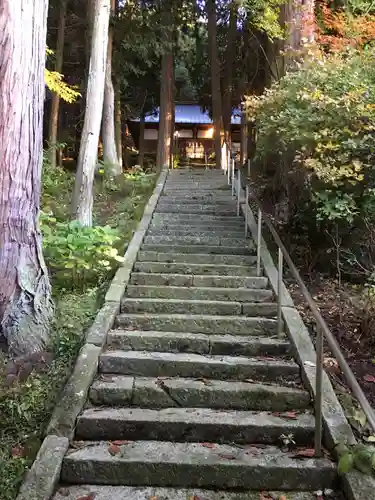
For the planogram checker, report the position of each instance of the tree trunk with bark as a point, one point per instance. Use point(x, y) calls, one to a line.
point(25, 294)
point(141, 155)
point(118, 125)
point(55, 104)
point(165, 115)
point(215, 81)
point(83, 189)
point(229, 64)
point(108, 120)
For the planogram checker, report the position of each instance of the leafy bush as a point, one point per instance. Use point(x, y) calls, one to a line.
point(316, 141)
point(78, 254)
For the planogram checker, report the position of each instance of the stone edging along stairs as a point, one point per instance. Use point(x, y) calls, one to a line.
point(195, 393)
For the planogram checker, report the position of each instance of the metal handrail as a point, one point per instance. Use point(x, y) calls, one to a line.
point(322, 329)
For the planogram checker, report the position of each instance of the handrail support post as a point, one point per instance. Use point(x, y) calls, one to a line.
point(259, 240)
point(279, 293)
point(246, 210)
point(238, 191)
point(319, 393)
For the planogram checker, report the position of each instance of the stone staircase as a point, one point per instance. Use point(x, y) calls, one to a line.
point(196, 393)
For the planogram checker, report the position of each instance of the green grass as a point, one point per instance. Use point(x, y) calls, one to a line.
point(26, 407)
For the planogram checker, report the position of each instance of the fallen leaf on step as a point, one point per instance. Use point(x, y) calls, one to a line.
point(226, 457)
point(305, 453)
point(120, 443)
point(289, 414)
point(153, 498)
point(369, 378)
point(194, 497)
point(282, 497)
point(208, 445)
point(90, 496)
point(265, 496)
point(114, 449)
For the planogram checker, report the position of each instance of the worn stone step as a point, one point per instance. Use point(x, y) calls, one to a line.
point(200, 221)
point(194, 424)
point(190, 280)
point(182, 306)
point(196, 240)
point(196, 232)
point(189, 365)
point(171, 208)
point(198, 225)
point(194, 323)
point(145, 493)
point(198, 343)
point(119, 390)
point(247, 248)
point(181, 217)
point(200, 293)
point(190, 268)
point(163, 463)
point(236, 260)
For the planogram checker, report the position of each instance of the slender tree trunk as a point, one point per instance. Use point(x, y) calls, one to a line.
point(54, 118)
point(118, 126)
point(215, 81)
point(25, 293)
point(83, 189)
point(165, 118)
point(229, 64)
point(141, 155)
point(243, 145)
point(108, 120)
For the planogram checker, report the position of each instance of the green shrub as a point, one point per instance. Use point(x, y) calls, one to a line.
point(77, 254)
point(316, 143)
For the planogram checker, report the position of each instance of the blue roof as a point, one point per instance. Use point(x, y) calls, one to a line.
point(191, 113)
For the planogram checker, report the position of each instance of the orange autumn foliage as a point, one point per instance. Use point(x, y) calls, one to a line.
point(339, 30)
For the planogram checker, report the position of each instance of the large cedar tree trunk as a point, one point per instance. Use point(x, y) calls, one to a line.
point(108, 120)
point(118, 125)
point(55, 104)
point(163, 154)
point(165, 118)
point(229, 64)
point(83, 189)
point(215, 81)
point(25, 293)
point(141, 155)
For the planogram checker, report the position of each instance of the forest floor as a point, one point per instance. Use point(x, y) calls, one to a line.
point(30, 387)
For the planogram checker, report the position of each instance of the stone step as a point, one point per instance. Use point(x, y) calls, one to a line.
point(179, 217)
point(198, 343)
point(119, 390)
point(189, 280)
point(246, 249)
point(189, 365)
point(193, 424)
point(189, 268)
point(194, 323)
point(163, 463)
point(181, 306)
point(228, 211)
point(203, 221)
point(236, 260)
point(199, 225)
point(198, 233)
point(196, 240)
point(146, 493)
point(197, 293)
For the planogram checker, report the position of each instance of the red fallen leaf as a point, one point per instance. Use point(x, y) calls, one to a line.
point(226, 457)
point(208, 445)
point(114, 449)
point(194, 497)
point(90, 496)
point(306, 453)
point(17, 451)
point(289, 414)
point(369, 378)
point(120, 443)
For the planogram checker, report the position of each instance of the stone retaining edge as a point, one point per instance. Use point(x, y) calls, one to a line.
point(337, 430)
point(41, 480)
